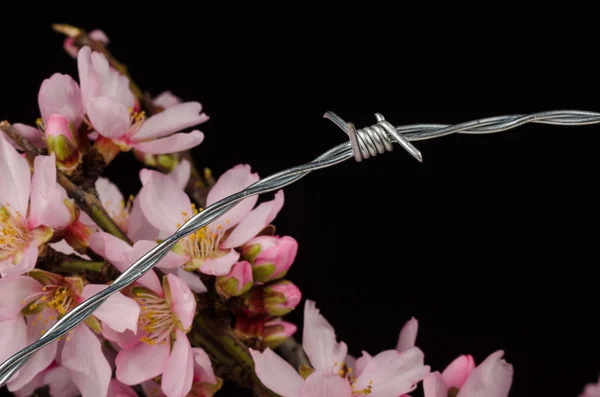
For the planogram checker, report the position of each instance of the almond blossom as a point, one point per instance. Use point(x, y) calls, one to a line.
point(591, 390)
point(110, 104)
point(31, 207)
point(492, 378)
point(30, 305)
point(388, 374)
point(211, 249)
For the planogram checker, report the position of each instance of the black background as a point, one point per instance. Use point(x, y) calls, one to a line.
point(490, 243)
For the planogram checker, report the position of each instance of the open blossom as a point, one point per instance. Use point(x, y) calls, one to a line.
point(162, 347)
point(30, 208)
point(388, 374)
point(211, 249)
point(591, 390)
point(110, 104)
point(492, 378)
point(30, 305)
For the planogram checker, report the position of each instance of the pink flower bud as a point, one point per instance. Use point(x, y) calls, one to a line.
point(276, 299)
point(78, 236)
point(61, 141)
point(271, 256)
point(237, 282)
point(277, 331)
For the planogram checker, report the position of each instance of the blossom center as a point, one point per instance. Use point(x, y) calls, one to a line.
point(203, 243)
point(136, 119)
point(345, 372)
point(156, 318)
point(14, 236)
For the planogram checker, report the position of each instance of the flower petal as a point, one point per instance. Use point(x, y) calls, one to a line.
point(124, 340)
point(15, 177)
point(221, 265)
point(320, 384)
point(172, 119)
point(138, 227)
point(457, 372)
point(110, 196)
point(203, 370)
point(118, 311)
point(492, 378)
point(14, 294)
point(163, 202)
point(256, 221)
point(408, 335)
point(26, 263)
point(169, 261)
point(13, 336)
point(181, 173)
point(109, 117)
point(32, 134)
point(47, 197)
point(276, 373)
point(232, 181)
point(60, 382)
point(142, 362)
point(183, 302)
point(179, 374)
point(192, 279)
point(171, 144)
point(166, 99)
point(60, 94)
point(99, 35)
point(118, 389)
point(82, 355)
point(121, 256)
point(31, 387)
point(319, 340)
point(361, 363)
point(434, 386)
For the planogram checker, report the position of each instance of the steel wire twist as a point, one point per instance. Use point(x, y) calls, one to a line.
point(364, 143)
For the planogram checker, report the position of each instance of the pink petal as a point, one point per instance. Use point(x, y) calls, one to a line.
point(111, 197)
point(169, 261)
point(109, 117)
point(192, 279)
point(31, 387)
point(122, 256)
point(82, 356)
point(361, 363)
point(350, 362)
point(221, 265)
point(492, 378)
point(47, 197)
point(163, 202)
point(320, 384)
point(276, 374)
point(13, 336)
point(183, 302)
point(434, 386)
point(118, 389)
point(32, 134)
point(174, 118)
point(63, 247)
point(60, 382)
point(256, 221)
point(15, 177)
point(392, 373)
point(203, 370)
point(26, 264)
point(171, 144)
point(408, 335)
point(40, 361)
point(60, 94)
point(14, 294)
point(233, 181)
point(142, 362)
point(138, 227)
point(124, 340)
point(319, 340)
point(118, 311)
point(166, 99)
point(181, 173)
point(179, 374)
point(457, 372)
point(99, 35)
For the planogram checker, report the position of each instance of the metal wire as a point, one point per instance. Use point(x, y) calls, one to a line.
point(364, 143)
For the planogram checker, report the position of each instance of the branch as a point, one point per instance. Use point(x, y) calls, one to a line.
point(56, 262)
point(86, 201)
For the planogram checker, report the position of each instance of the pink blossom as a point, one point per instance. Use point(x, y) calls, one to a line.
point(492, 378)
point(237, 282)
point(61, 95)
point(166, 316)
point(591, 390)
point(209, 250)
point(30, 208)
point(270, 256)
point(29, 305)
point(58, 379)
point(166, 99)
point(389, 373)
point(109, 104)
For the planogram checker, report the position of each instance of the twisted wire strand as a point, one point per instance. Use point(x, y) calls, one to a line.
point(364, 143)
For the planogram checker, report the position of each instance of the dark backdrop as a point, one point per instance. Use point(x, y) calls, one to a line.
point(490, 243)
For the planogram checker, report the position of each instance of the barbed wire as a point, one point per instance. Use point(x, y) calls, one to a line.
point(364, 143)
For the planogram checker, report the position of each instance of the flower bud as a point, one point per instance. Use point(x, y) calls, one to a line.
point(61, 141)
point(276, 331)
point(270, 256)
point(77, 235)
point(276, 299)
point(237, 282)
